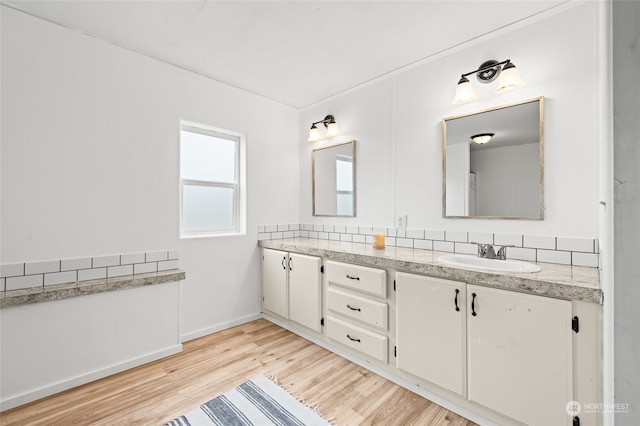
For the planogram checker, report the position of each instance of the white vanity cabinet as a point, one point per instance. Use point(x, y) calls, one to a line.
point(431, 326)
point(519, 354)
point(291, 287)
point(510, 352)
point(357, 310)
point(510, 357)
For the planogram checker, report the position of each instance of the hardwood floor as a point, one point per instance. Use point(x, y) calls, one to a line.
point(160, 391)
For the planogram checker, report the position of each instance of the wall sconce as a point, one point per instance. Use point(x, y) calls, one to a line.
point(486, 73)
point(482, 138)
point(331, 125)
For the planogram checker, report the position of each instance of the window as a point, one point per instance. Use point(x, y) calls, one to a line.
point(211, 177)
point(344, 185)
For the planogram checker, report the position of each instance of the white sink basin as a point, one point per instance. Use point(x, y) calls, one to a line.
point(481, 264)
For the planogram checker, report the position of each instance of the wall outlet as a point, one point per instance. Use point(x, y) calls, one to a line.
point(402, 222)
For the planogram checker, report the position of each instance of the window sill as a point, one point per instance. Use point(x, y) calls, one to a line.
point(219, 235)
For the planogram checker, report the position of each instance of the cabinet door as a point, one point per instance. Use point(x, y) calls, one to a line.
point(430, 330)
point(274, 282)
point(519, 355)
point(304, 290)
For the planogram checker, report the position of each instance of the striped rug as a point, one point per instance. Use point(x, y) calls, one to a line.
point(258, 402)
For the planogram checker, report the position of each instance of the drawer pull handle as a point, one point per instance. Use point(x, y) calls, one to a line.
point(352, 339)
point(353, 309)
point(473, 304)
point(456, 300)
point(353, 278)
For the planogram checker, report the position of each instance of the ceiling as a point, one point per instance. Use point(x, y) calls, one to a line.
point(293, 52)
point(517, 124)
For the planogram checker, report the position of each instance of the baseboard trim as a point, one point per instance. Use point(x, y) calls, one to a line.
point(45, 391)
point(218, 327)
point(451, 406)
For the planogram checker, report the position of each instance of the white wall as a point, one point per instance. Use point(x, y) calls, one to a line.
point(397, 124)
point(508, 180)
point(325, 188)
point(458, 168)
point(90, 163)
point(364, 116)
point(50, 347)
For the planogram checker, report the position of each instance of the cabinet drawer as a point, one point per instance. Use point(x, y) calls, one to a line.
point(368, 280)
point(360, 308)
point(365, 341)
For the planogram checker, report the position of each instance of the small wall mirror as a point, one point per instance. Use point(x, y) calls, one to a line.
point(334, 179)
point(502, 178)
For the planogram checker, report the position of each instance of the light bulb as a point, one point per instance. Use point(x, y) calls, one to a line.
point(464, 92)
point(333, 130)
point(509, 79)
point(314, 134)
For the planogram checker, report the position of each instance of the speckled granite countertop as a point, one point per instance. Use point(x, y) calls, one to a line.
point(51, 293)
point(559, 281)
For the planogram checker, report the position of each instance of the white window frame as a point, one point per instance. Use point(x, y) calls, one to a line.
point(345, 159)
point(239, 204)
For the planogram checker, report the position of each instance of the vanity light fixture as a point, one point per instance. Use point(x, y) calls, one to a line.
point(482, 138)
point(486, 73)
point(331, 125)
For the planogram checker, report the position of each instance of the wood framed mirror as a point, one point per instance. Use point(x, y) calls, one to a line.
point(499, 179)
point(334, 180)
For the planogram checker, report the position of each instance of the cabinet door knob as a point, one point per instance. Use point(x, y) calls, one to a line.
point(473, 304)
point(283, 259)
point(352, 339)
point(353, 309)
point(455, 301)
point(290, 266)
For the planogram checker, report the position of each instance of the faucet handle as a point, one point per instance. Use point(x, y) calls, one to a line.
point(502, 252)
point(483, 248)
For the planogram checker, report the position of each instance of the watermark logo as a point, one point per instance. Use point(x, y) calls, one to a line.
point(573, 408)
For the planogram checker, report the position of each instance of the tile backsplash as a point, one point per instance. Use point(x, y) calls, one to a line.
point(16, 276)
point(534, 248)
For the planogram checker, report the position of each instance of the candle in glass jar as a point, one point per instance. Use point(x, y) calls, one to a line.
point(378, 240)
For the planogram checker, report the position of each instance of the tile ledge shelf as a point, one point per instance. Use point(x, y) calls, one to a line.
point(49, 293)
point(554, 280)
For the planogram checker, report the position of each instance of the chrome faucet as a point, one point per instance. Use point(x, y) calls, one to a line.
point(488, 251)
